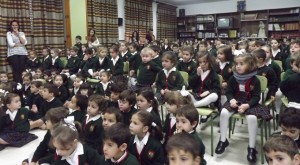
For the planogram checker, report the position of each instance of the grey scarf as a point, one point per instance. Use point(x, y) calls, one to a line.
point(242, 78)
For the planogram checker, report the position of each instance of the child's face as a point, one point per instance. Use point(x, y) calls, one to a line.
point(281, 158)
point(45, 52)
point(203, 63)
point(294, 48)
point(202, 47)
point(124, 105)
point(167, 64)
point(175, 49)
point(274, 44)
point(77, 82)
point(233, 46)
point(295, 68)
point(83, 48)
point(3, 78)
point(73, 53)
point(142, 103)
point(46, 95)
point(268, 53)
point(123, 48)
point(183, 124)
point(49, 124)
point(26, 80)
point(77, 40)
point(103, 77)
point(15, 103)
point(58, 81)
point(218, 44)
point(241, 66)
point(34, 89)
point(38, 73)
point(109, 119)
point(84, 92)
point(113, 54)
point(53, 54)
point(131, 49)
point(102, 53)
point(146, 57)
point(32, 55)
point(114, 96)
point(64, 150)
point(93, 108)
point(136, 127)
point(179, 156)
point(186, 56)
point(221, 56)
point(111, 150)
point(92, 32)
point(171, 107)
point(291, 132)
point(53, 74)
point(73, 103)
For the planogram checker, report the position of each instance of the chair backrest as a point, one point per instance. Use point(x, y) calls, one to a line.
point(185, 77)
point(64, 60)
point(126, 67)
point(263, 83)
point(282, 76)
point(279, 63)
point(220, 79)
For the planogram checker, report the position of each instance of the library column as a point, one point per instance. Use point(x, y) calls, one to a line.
point(121, 15)
point(154, 15)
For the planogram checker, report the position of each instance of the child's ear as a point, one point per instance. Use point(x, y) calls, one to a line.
point(197, 160)
point(194, 124)
point(296, 159)
point(123, 147)
point(145, 129)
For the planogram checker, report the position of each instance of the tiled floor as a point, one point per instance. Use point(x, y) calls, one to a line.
point(235, 154)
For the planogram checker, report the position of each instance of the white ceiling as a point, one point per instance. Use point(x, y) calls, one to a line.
point(186, 2)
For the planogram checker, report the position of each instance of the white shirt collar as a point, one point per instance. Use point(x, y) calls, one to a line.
point(72, 110)
point(223, 64)
point(50, 100)
point(115, 60)
point(167, 73)
point(76, 90)
point(33, 59)
point(12, 114)
point(269, 62)
point(274, 52)
point(204, 74)
point(94, 118)
point(101, 60)
point(104, 85)
point(149, 109)
point(123, 54)
point(144, 140)
point(156, 56)
point(73, 158)
point(134, 53)
point(120, 159)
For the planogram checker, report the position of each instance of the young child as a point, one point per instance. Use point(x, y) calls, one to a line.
point(169, 78)
point(78, 44)
point(116, 89)
point(293, 69)
point(271, 63)
point(181, 150)
point(85, 89)
point(32, 62)
point(35, 98)
point(27, 78)
point(211, 48)
point(124, 53)
point(187, 119)
point(166, 46)
point(135, 60)
point(111, 116)
point(277, 54)
point(281, 150)
point(187, 64)
point(46, 55)
point(116, 139)
point(87, 63)
point(264, 70)
point(72, 66)
point(101, 62)
point(127, 100)
point(60, 83)
point(146, 148)
point(243, 95)
point(68, 148)
point(103, 88)
point(147, 70)
point(116, 64)
point(205, 84)
point(92, 123)
point(76, 85)
point(56, 62)
point(156, 55)
point(294, 49)
point(38, 74)
point(77, 106)
point(15, 123)
point(53, 117)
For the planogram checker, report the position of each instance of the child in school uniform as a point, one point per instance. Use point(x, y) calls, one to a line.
point(111, 116)
point(35, 98)
point(101, 62)
point(294, 49)
point(187, 119)
point(116, 64)
point(271, 63)
point(26, 93)
point(124, 53)
point(116, 140)
point(292, 70)
point(103, 88)
point(277, 54)
point(281, 150)
point(56, 62)
point(60, 83)
point(14, 122)
point(76, 85)
point(87, 63)
point(187, 64)
point(127, 100)
point(92, 123)
point(77, 106)
point(32, 62)
point(116, 89)
point(135, 60)
point(73, 62)
point(181, 150)
point(166, 46)
point(46, 62)
point(146, 148)
point(205, 84)
point(147, 70)
point(155, 55)
point(68, 147)
point(243, 95)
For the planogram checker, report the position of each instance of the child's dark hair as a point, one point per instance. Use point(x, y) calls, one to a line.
point(37, 83)
point(100, 101)
point(88, 51)
point(189, 112)
point(63, 77)
point(297, 41)
point(183, 141)
point(189, 49)
point(8, 98)
point(175, 98)
point(116, 112)
point(227, 51)
point(148, 94)
point(210, 59)
point(74, 48)
point(259, 53)
point(51, 89)
point(118, 87)
point(290, 118)
point(118, 133)
point(107, 73)
point(248, 59)
point(203, 43)
point(146, 118)
point(28, 75)
point(56, 115)
point(175, 45)
point(114, 48)
point(128, 95)
point(3, 72)
point(87, 86)
point(134, 45)
point(78, 37)
point(82, 101)
point(155, 48)
point(281, 143)
point(260, 43)
point(170, 55)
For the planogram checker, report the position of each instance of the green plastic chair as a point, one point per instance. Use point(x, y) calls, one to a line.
point(185, 77)
point(126, 67)
point(279, 63)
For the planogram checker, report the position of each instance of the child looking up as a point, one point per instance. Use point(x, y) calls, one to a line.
point(111, 116)
point(187, 64)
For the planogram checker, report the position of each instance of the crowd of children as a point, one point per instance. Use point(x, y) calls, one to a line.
point(97, 112)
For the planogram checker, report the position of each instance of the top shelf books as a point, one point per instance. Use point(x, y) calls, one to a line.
point(205, 18)
point(285, 12)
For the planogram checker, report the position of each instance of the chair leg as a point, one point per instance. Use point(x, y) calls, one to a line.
point(212, 135)
point(233, 126)
point(262, 141)
point(162, 114)
point(230, 125)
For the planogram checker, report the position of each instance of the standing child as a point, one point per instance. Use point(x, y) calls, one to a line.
point(32, 62)
point(92, 123)
point(146, 148)
point(271, 63)
point(127, 100)
point(103, 88)
point(15, 123)
point(135, 60)
point(116, 141)
point(187, 119)
point(124, 53)
point(27, 78)
point(116, 64)
point(243, 95)
point(78, 44)
point(111, 116)
point(46, 55)
point(77, 107)
point(187, 64)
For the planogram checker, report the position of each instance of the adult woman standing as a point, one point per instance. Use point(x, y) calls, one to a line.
point(16, 51)
point(92, 39)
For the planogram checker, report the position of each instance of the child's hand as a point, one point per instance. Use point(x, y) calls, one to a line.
point(162, 92)
point(86, 57)
point(131, 73)
point(34, 108)
point(177, 131)
point(242, 108)
point(66, 104)
point(106, 97)
point(199, 71)
point(204, 94)
point(233, 103)
point(273, 98)
point(224, 85)
point(167, 90)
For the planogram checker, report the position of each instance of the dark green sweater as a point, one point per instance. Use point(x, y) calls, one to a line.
point(126, 56)
point(73, 65)
point(45, 106)
point(127, 115)
point(116, 69)
point(104, 66)
point(201, 147)
point(19, 124)
point(173, 82)
point(43, 150)
point(128, 160)
point(189, 67)
point(272, 80)
point(226, 72)
point(147, 73)
point(290, 88)
point(134, 62)
point(276, 68)
point(211, 83)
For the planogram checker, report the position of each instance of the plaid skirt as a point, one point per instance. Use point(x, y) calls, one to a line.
point(258, 110)
point(17, 139)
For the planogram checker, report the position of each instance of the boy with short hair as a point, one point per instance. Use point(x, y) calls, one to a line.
point(115, 142)
point(116, 89)
point(281, 150)
point(73, 62)
point(79, 46)
point(135, 60)
point(187, 119)
point(183, 145)
point(127, 100)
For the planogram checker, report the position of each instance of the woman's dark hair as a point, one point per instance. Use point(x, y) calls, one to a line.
point(93, 37)
point(10, 25)
point(137, 37)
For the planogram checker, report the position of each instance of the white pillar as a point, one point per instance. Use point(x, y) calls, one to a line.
point(121, 14)
point(154, 15)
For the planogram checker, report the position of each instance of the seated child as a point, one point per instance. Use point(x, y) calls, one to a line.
point(116, 89)
point(87, 63)
point(187, 119)
point(56, 62)
point(124, 53)
point(103, 88)
point(32, 62)
point(60, 81)
point(135, 60)
point(27, 78)
point(116, 64)
point(187, 64)
point(35, 96)
point(85, 89)
point(101, 62)
point(127, 100)
point(111, 116)
point(294, 49)
point(281, 150)
point(181, 150)
point(72, 66)
point(77, 107)
point(76, 85)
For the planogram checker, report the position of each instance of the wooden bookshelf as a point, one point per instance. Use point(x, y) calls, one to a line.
point(186, 28)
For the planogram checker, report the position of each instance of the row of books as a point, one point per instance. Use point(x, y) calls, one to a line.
point(282, 27)
point(283, 19)
point(205, 35)
point(284, 35)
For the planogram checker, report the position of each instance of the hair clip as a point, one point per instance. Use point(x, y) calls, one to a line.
point(3, 92)
point(184, 92)
point(153, 124)
point(69, 121)
point(19, 86)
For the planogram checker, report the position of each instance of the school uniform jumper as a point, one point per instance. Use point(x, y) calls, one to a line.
point(189, 67)
point(128, 159)
point(290, 87)
point(127, 115)
point(117, 68)
point(101, 91)
point(272, 80)
point(73, 64)
point(201, 147)
point(43, 150)
point(147, 73)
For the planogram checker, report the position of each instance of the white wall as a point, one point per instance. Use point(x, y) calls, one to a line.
point(78, 19)
point(228, 6)
point(121, 14)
